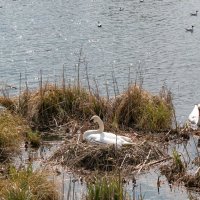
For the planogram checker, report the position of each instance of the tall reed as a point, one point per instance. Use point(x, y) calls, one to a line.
point(106, 188)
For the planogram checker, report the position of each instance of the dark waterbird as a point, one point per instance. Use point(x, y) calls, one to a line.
point(190, 29)
point(99, 24)
point(194, 14)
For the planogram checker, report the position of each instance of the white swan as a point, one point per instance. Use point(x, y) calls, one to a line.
point(101, 137)
point(194, 117)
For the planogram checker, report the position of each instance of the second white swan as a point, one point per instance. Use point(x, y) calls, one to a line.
point(194, 117)
point(101, 137)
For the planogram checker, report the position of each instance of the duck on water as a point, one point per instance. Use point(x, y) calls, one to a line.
point(194, 14)
point(99, 24)
point(190, 29)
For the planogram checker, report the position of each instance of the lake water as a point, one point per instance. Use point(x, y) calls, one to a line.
point(150, 36)
point(146, 182)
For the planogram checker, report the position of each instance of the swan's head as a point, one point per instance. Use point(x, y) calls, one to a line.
point(198, 105)
point(95, 119)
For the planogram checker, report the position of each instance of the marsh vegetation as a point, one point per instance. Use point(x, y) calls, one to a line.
point(65, 110)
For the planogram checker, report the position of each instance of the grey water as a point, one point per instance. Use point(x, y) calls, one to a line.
point(146, 182)
point(149, 37)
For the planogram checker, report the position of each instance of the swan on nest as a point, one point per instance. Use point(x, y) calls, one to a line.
point(100, 137)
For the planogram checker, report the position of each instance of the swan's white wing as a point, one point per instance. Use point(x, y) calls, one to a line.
point(100, 139)
point(111, 138)
point(194, 117)
point(93, 137)
point(106, 138)
point(117, 140)
point(109, 135)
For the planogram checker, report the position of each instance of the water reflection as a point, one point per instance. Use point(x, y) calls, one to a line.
point(150, 184)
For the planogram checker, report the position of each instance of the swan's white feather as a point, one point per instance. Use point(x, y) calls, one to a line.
point(194, 117)
point(101, 137)
point(107, 138)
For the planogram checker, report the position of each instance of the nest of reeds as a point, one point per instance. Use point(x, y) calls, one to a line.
point(172, 172)
point(192, 181)
point(140, 109)
point(175, 174)
point(107, 157)
point(175, 170)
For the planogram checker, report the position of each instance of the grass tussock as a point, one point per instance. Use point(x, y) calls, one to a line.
point(34, 138)
point(7, 103)
point(176, 170)
point(106, 188)
point(12, 128)
point(52, 106)
point(139, 109)
point(106, 157)
point(27, 184)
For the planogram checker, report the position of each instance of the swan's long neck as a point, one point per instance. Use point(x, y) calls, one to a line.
point(101, 126)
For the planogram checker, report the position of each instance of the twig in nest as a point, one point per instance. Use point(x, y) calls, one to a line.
point(144, 161)
point(127, 155)
point(153, 162)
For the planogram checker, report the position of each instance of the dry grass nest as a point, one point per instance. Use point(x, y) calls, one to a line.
point(105, 157)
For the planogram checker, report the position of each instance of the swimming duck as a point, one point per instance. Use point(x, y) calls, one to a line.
point(99, 24)
point(190, 29)
point(194, 14)
point(101, 137)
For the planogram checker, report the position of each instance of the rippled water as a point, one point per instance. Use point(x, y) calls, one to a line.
point(150, 36)
point(45, 35)
point(70, 186)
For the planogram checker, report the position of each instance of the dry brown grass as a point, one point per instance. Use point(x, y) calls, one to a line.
point(139, 109)
point(7, 103)
point(106, 157)
point(52, 106)
point(12, 128)
point(26, 184)
point(192, 181)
